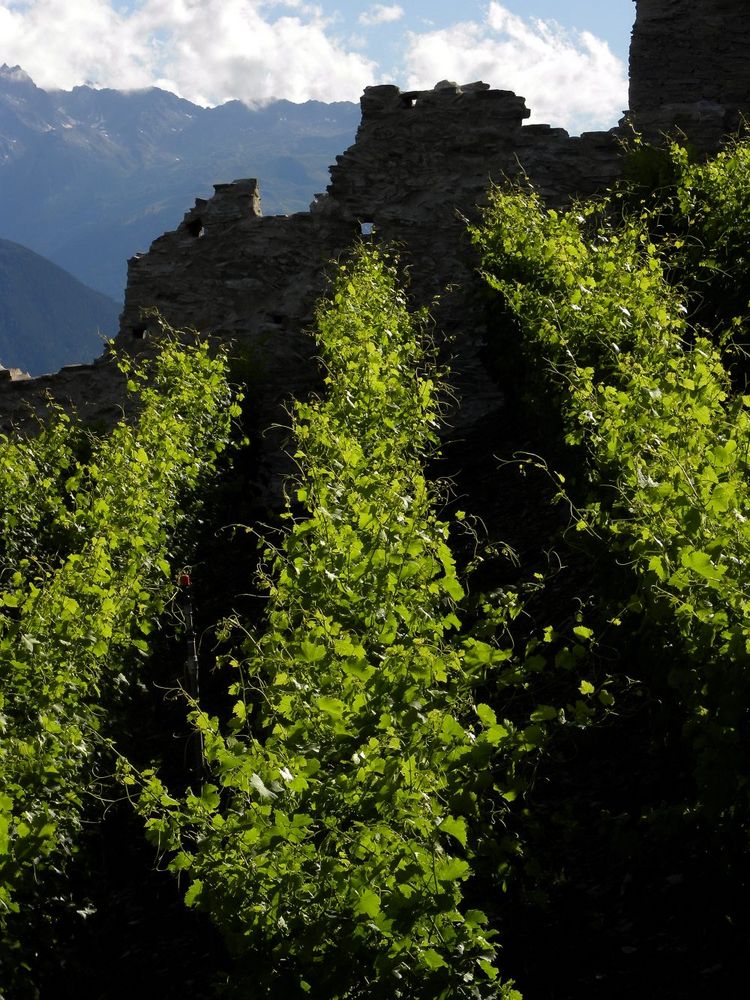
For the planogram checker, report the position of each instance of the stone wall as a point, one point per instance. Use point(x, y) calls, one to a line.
point(95, 391)
point(690, 68)
point(420, 166)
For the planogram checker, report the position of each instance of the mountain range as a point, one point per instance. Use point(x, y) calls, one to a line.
point(47, 317)
point(89, 177)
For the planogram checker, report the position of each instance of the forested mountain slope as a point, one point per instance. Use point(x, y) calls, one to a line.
point(90, 177)
point(47, 317)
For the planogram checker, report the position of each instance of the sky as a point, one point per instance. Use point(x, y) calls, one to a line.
point(568, 58)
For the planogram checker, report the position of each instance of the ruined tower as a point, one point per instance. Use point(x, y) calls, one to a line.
point(690, 68)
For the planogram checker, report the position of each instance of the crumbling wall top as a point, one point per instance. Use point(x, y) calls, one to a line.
point(446, 97)
point(237, 201)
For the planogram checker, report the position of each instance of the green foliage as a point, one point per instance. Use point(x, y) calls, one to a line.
point(374, 785)
point(667, 444)
point(35, 522)
point(85, 573)
point(336, 836)
point(711, 254)
point(700, 214)
point(648, 171)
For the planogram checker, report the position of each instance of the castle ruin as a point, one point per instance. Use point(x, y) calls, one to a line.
point(420, 166)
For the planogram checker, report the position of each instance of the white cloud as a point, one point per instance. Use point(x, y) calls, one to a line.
point(381, 14)
point(62, 43)
point(211, 51)
point(206, 50)
point(568, 78)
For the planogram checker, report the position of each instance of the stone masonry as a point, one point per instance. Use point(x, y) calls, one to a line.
point(690, 68)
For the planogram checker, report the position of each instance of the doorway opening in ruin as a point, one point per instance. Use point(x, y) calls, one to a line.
point(139, 332)
point(195, 228)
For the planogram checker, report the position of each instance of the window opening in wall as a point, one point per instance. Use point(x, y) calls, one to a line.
point(366, 228)
point(140, 331)
point(195, 228)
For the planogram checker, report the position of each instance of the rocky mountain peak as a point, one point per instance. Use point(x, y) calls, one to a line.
point(15, 74)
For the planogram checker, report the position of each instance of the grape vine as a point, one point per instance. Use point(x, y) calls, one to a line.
point(646, 394)
point(337, 833)
point(74, 620)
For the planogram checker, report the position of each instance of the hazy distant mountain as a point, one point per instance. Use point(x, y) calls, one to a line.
point(90, 177)
point(47, 317)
